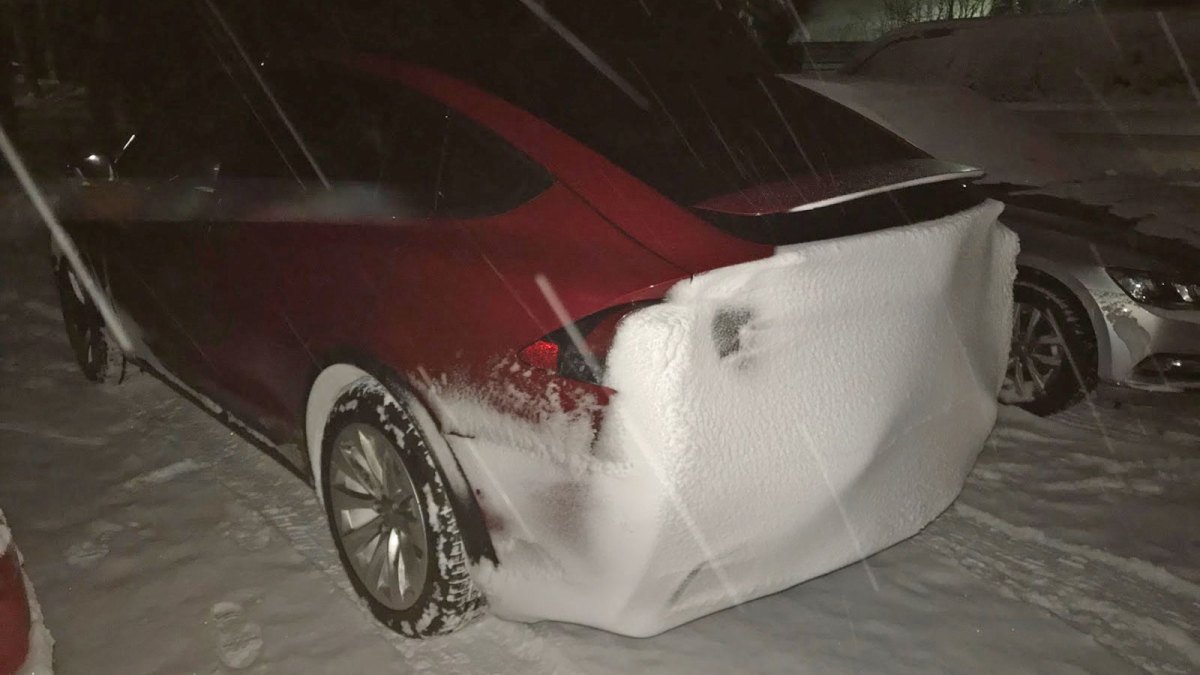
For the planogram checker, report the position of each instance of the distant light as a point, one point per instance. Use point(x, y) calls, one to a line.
point(93, 158)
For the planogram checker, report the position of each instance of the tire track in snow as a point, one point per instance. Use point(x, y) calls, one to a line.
point(1134, 424)
point(51, 434)
point(162, 474)
point(1142, 612)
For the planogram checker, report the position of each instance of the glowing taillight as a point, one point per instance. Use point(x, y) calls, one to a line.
point(584, 359)
point(541, 354)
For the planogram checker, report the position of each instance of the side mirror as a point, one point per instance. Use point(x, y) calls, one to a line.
point(95, 168)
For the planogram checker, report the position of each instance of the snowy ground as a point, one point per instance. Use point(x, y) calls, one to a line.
point(160, 542)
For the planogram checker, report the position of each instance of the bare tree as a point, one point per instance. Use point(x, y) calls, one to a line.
point(1000, 7)
point(900, 12)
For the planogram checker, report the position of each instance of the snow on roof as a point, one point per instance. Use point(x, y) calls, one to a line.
point(956, 125)
point(1084, 56)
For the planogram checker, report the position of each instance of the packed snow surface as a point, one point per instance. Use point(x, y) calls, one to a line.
point(773, 421)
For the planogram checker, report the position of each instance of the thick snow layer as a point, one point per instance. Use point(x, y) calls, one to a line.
point(1090, 57)
point(1119, 88)
point(774, 420)
point(230, 562)
point(955, 124)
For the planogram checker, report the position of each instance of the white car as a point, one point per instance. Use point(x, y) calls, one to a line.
point(1096, 298)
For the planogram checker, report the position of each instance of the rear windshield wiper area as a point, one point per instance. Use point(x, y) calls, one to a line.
point(866, 214)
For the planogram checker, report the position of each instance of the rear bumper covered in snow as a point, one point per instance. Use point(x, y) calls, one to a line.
point(773, 421)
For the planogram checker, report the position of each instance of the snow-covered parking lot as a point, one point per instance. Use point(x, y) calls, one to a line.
point(160, 542)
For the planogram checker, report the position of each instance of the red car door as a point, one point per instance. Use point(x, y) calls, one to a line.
point(303, 256)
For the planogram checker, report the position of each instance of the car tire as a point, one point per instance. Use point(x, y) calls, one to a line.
point(443, 597)
point(1077, 376)
point(96, 352)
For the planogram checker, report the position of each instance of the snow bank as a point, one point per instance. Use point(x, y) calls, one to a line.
point(774, 421)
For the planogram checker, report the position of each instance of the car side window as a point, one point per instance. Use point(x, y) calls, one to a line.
point(360, 142)
point(480, 174)
point(174, 145)
point(426, 160)
point(207, 131)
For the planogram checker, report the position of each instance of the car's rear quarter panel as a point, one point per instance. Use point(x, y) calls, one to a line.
point(434, 297)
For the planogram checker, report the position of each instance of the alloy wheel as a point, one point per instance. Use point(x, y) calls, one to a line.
point(1037, 357)
point(378, 516)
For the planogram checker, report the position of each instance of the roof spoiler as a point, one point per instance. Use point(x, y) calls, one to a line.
point(807, 193)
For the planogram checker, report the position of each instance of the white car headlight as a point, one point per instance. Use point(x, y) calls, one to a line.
point(1157, 290)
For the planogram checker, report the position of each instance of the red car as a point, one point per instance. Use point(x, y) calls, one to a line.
point(571, 328)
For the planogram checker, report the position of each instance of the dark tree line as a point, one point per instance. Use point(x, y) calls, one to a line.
point(1000, 7)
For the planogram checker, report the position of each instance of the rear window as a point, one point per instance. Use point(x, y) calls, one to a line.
point(682, 99)
point(703, 137)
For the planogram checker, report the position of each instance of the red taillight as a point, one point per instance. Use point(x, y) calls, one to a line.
point(541, 354)
point(581, 357)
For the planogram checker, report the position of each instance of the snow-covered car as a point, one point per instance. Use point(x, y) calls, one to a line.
point(1117, 85)
point(597, 335)
point(1095, 299)
point(25, 644)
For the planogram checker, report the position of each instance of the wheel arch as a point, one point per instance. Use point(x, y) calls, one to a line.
point(345, 370)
